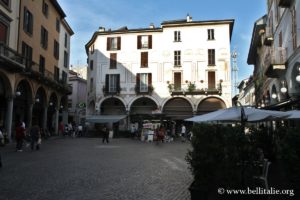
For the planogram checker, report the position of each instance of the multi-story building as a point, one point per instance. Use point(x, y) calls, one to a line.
point(32, 76)
point(275, 54)
point(77, 101)
point(246, 94)
point(172, 72)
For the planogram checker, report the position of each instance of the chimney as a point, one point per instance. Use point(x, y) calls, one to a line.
point(101, 29)
point(151, 26)
point(188, 18)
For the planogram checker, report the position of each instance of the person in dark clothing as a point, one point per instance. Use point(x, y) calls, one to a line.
point(20, 135)
point(105, 134)
point(35, 136)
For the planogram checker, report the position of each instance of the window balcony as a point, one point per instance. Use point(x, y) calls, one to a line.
point(195, 91)
point(268, 37)
point(10, 59)
point(284, 3)
point(111, 91)
point(275, 63)
point(147, 91)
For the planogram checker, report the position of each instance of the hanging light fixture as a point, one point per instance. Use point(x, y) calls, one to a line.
point(283, 88)
point(298, 76)
point(274, 95)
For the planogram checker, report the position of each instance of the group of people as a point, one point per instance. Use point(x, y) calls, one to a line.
point(33, 136)
point(70, 129)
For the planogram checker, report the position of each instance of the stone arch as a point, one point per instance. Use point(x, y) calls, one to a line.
point(143, 105)
point(23, 102)
point(38, 111)
point(112, 106)
point(145, 96)
point(5, 93)
point(210, 104)
point(178, 108)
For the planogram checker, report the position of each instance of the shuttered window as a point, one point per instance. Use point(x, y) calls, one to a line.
point(112, 83)
point(143, 81)
point(211, 80)
point(144, 42)
point(177, 58)
point(144, 59)
point(113, 43)
point(113, 61)
point(3, 33)
point(211, 57)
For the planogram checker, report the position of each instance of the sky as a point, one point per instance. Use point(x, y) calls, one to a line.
point(86, 16)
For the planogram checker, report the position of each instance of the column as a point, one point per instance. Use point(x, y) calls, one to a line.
point(9, 115)
point(45, 118)
point(56, 121)
point(29, 116)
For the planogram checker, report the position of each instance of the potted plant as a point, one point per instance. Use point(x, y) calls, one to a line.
point(191, 87)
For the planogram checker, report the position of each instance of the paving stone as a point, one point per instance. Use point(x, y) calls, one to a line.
point(84, 168)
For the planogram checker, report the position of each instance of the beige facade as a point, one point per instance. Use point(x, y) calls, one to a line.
point(30, 65)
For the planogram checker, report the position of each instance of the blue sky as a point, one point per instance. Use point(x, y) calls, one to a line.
point(86, 16)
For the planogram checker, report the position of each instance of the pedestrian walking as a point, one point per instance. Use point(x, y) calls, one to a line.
point(183, 132)
point(35, 137)
point(105, 131)
point(20, 135)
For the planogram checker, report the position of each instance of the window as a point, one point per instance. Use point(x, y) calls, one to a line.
point(92, 49)
point(144, 59)
point(28, 21)
point(211, 57)
point(112, 83)
point(177, 81)
point(64, 77)
point(42, 65)
point(57, 25)
point(56, 49)
point(91, 84)
point(45, 8)
point(211, 80)
point(66, 59)
point(44, 38)
point(27, 53)
point(177, 36)
point(143, 81)
point(113, 61)
point(91, 64)
point(177, 58)
point(3, 33)
point(210, 34)
point(144, 41)
point(56, 73)
point(114, 43)
point(5, 2)
point(66, 40)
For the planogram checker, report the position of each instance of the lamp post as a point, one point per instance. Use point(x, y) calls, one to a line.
point(243, 115)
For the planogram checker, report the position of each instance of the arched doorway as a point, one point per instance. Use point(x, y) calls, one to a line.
point(210, 104)
point(178, 109)
point(143, 107)
point(112, 106)
point(38, 111)
point(23, 104)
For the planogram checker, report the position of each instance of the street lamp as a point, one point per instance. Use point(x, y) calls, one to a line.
point(298, 76)
point(283, 88)
point(18, 93)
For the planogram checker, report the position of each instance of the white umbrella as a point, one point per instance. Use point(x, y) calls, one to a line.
point(235, 113)
point(293, 114)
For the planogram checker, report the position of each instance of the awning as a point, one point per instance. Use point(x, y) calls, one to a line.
point(104, 118)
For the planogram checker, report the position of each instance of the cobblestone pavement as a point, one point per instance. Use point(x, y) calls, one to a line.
point(86, 169)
